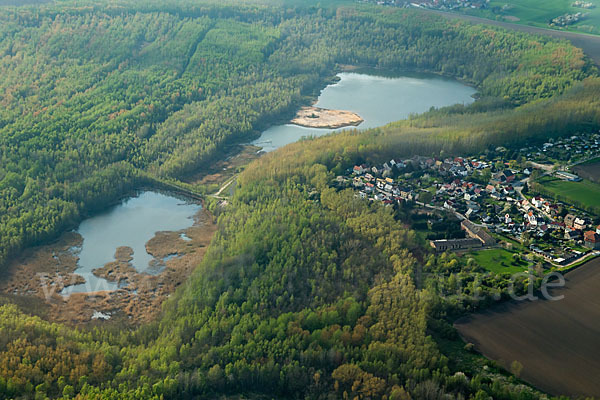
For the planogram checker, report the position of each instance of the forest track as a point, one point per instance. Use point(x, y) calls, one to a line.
point(224, 186)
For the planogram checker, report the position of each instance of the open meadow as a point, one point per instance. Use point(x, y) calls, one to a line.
point(540, 13)
point(499, 261)
point(578, 193)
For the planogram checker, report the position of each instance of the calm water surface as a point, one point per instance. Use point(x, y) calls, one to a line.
point(132, 223)
point(378, 100)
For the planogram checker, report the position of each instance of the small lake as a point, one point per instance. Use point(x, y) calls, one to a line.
point(379, 100)
point(131, 223)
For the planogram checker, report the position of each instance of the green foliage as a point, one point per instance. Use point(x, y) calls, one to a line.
point(298, 295)
point(155, 90)
point(584, 194)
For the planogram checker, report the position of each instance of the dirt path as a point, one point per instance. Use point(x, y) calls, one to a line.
point(590, 44)
point(224, 186)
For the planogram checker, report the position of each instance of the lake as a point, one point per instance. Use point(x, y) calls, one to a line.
point(379, 100)
point(557, 342)
point(131, 223)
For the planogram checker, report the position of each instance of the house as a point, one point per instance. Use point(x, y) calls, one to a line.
point(572, 234)
point(525, 204)
point(406, 194)
point(598, 229)
point(551, 209)
point(570, 220)
point(509, 175)
point(503, 178)
point(462, 171)
point(579, 223)
point(591, 240)
point(473, 206)
point(530, 219)
point(358, 169)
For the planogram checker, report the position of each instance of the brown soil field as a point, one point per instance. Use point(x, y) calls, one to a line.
point(557, 342)
point(589, 171)
point(37, 277)
point(315, 117)
point(590, 44)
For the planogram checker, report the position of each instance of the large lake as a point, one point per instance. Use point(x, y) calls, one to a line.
point(379, 100)
point(131, 223)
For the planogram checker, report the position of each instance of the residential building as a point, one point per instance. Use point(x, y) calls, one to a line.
point(591, 240)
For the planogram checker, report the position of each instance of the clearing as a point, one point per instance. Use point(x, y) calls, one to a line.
point(499, 261)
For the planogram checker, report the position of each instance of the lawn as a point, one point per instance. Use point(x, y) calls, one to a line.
point(584, 194)
point(498, 261)
point(539, 13)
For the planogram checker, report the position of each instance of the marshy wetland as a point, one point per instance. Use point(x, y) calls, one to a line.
point(122, 263)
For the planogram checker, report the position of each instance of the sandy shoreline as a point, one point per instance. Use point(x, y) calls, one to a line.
point(315, 117)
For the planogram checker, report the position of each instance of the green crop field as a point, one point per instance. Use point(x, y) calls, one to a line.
point(584, 193)
point(498, 261)
point(539, 13)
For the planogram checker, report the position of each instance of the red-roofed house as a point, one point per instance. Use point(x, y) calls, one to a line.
point(592, 240)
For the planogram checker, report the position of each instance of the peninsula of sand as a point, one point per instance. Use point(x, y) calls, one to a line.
point(315, 117)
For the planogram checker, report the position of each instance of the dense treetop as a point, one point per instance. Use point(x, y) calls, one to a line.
point(305, 291)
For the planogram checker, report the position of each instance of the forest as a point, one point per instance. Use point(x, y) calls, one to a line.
point(298, 296)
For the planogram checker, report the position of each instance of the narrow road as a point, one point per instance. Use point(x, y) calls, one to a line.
point(225, 186)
